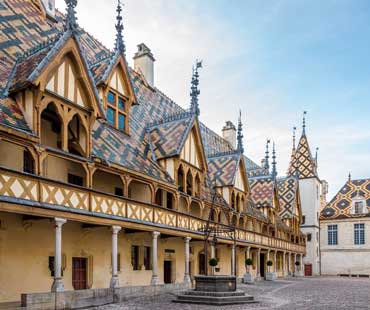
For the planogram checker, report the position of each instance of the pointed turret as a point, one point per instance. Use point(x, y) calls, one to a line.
point(195, 92)
point(302, 163)
point(240, 147)
point(274, 171)
point(119, 44)
point(71, 19)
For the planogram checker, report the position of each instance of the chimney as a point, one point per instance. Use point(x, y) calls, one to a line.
point(49, 7)
point(229, 133)
point(144, 63)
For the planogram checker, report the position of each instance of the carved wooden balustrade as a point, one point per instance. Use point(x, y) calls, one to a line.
point(16, 187)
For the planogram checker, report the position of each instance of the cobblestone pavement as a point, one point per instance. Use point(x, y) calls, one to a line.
point(304, 293)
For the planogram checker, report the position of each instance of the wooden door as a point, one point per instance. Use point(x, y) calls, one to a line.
point(262, 265)
point(201, 261)
point(79, 273)
point(167, 271)
point(308, 270)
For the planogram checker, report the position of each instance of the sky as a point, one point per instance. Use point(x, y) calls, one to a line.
point(271, 59)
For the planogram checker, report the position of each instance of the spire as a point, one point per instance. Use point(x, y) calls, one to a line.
point(304, 123)
point(274, 171)
point(240, 134)
point(71, 19)
point(119, 45)
point(316, 154)
point(349, 177)
point(267, 166)
point(194, 93)
point(294, 129)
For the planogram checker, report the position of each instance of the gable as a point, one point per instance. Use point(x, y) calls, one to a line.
point(240, 180)
point(116, 81)
point(64, 72)
point(64, 83)
point(190, 151)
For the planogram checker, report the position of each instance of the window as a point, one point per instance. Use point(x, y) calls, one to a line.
point(309, 237)
point(359, 207)
point(118, 191)
point(332, 234)
point(75, 179)
point(135, 257)
point(147, 258)
point(28, 162)
point(169, 201)
point(303, 219)
point(359, 234)
point(116, 110)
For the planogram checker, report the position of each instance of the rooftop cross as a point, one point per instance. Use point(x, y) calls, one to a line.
point(119, 44)
point(194, 93)
point(71, 19)
point(240, 147)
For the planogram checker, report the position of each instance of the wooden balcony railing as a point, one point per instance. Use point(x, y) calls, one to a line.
point(21, 185)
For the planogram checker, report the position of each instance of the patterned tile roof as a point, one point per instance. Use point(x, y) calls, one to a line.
point(223, 168)
point(11, 115)
point(253, 170)
point(262, 191)
point(252, 210)
point(341, 205)
point(167, 139)
point(288, 191)
point(302, 163)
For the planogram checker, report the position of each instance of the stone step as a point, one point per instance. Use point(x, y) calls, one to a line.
point(210, 300)
point(216, 294)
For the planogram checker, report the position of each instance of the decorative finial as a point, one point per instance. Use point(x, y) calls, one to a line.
point(267, 165)
point(294, 129)
point(240, 134)
point(274, 171)
point(195, 92)
point(304, 122)
point(119, 45)
point(71, 19)
point(349, 177)
point(317, 150)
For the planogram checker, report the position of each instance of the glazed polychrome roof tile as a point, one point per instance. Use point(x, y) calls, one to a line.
point(223, 167)
point(262, 191)
point(302, 163)
point(341, 205)
point(288, 191)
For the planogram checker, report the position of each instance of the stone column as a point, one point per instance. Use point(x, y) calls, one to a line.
point(58, 285)
point(213, 251)
point(284, 264)
point(301, 265)
point(295, 267)
point(258, 263)
point(275, 267)
point(187, 258)
point(154, 280)
point(114, 280)
point(233, 260)
point(289, 263)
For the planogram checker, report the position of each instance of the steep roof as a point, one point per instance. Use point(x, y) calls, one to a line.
point(288, 191)
point(341, 204)
point(223, 167)
point(262, 191)
point(302, 164)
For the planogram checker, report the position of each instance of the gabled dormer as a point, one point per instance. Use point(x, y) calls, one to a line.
point(115, 86)
point(53, 85)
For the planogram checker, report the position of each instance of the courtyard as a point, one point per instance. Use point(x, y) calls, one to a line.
point(304, 293)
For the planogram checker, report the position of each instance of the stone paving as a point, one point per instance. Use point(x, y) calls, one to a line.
point(329, 293)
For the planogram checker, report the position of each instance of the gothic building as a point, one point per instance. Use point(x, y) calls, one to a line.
point(105, 182)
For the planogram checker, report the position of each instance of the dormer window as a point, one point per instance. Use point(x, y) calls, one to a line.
point(359, 207)
point(116, 110)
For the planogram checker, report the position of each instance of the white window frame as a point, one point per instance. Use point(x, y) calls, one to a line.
point(333, 234)
point(359, 234)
